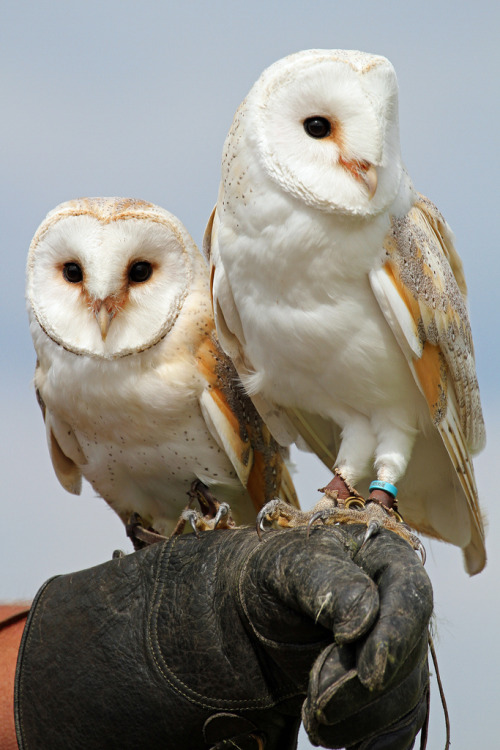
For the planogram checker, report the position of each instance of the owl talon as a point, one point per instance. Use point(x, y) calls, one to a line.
point(320, 515)
point(421, 549)
point(223, 513)
point(199, 522)
point(332, 510)
point(281, 512)
point(260, 525)
point(192, 517)
point(269, 509)
point(373, 529)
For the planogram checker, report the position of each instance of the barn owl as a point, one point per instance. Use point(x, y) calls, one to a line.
point(340, 297)
point(136, 393)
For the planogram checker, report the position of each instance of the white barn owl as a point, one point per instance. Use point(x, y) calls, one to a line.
point(340, 297)
point(136, 394)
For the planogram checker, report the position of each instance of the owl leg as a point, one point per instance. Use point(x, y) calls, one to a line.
point(380, 511)
point(395, 441)
point(341, 503)
point(340, 499)
point(357, 448)
point(395, 437)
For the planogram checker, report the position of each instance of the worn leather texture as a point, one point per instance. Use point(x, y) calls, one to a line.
point(198, 643)
point(383, 681)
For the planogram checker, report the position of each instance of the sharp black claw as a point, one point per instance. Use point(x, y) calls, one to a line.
point(268, 509)
point(423, 553)
point(221, 513)
point(191, 516)
point(372, 530)
point(260, 522)
point(320, 514)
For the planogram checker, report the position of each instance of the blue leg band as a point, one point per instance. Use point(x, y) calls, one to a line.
point(386, 486)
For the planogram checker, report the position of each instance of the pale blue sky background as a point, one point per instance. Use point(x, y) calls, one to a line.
point(134, 99)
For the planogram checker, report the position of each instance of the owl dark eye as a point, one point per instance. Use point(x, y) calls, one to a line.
point(140, 271)
point(72, 273)
point(317, 127)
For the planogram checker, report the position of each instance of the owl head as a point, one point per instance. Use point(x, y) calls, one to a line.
point(107, 277)
point(323, 125)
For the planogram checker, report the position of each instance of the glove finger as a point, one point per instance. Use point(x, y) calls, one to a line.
point(312, 581)
point(341, 712)
point(406, 604)
point(400, 736)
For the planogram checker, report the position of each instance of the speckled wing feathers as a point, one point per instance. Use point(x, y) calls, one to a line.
point(422, 293)
point(235, 424)
point(426, 274)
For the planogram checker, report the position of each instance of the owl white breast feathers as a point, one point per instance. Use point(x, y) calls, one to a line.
point(136, 394)
point(339, 295)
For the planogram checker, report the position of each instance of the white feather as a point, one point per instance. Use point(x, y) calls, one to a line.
point(303, 301)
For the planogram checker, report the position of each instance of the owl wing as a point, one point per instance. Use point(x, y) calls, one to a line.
point(237, 427)
point(422, 293)
point(62, 444)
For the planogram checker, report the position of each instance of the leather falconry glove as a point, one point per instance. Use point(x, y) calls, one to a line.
point(226, 641)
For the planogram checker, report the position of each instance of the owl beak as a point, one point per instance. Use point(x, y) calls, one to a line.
point(104, 318)
point(364, 172)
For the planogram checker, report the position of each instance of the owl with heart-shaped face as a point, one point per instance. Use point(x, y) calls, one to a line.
point(136, 393)
point(340, 297)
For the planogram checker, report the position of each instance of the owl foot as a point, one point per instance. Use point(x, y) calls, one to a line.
point(382, 518)
point(374, 514)
point(212, 514)
point(199, 522)
point(329, 510)
point(332, 509)
point(282, 513)
point(379, 511)
point(286, 515)
point(200, 492)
